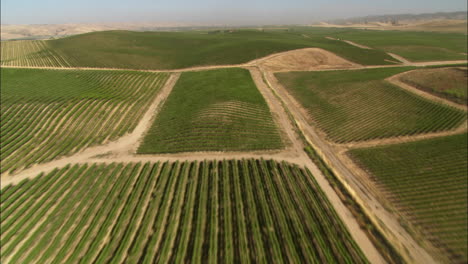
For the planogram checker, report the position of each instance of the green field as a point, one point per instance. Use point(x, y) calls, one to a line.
point(245, 211)
point(31, 53)
point(50, 113)
point(218, 110)
point(359, 105)
point(174, 50)
point(449, 83)
point(428, 181)
point(414, 46)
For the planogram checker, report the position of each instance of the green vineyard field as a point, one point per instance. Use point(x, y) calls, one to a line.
point(245, 211)
point(449, 83)
point(175, 50)
point(218, 110)
point(415, 46)
point(360, 105)
point(31, 53)
point(428, 181)
point(50, 113)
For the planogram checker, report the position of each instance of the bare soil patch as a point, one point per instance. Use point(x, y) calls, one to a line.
point(304, 60)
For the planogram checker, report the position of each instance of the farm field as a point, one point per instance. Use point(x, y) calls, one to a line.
point(217, 211)
point(252, 198)
point(427, 180)
point(175, 50)
point(216, 110)
point(51, 113)
point(414, 46)
point(31, 53)
point(449, 83)
point(359, 105)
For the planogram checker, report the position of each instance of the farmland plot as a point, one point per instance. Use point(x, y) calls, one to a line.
point(175, 50)
point(360, 105)
point(449, 83)
point(242, 211)
point(415, 46)
point(31, 53)
point(428, 181)
point(50, 113)
point(219, 110)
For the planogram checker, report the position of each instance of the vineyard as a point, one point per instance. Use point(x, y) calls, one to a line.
point(173, 50)
point(448, 83)
point(50, 113)
point(218, 110)
point(415, 46)
point(214, 211)
point(31, 53)
point(359, 105)
point(428, 182)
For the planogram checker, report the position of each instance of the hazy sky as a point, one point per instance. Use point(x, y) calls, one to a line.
point(210, 11)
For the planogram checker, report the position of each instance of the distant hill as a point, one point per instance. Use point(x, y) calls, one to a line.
point(53, 31)
point(448, 22)
point(395, 19)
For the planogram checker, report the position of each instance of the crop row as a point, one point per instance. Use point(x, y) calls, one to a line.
point(31, 53)
point(217, 110)
point(360, 105)
point(217, 212)
point(428, 182)
point(36, 129)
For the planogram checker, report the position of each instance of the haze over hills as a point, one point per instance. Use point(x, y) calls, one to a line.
point(441, 21)
point(46, 31)
point(455, 22)
point(461, 15)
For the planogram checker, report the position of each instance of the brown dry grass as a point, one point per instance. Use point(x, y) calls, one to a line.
point(304, 60)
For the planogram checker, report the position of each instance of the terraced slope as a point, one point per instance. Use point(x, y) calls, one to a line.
point(50, 113)
point(230, 211)
point(361, 105)
point(31, 53)
point(218, 110)
point(428, 181)
point(450, 83)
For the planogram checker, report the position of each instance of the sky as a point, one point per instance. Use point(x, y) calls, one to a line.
point(210, 11)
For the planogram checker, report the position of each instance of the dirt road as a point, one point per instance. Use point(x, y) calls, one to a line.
point(334, 62)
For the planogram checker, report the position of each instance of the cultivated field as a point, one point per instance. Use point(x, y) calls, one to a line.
point(359, 105)
point(50, 113)
point(427, 180)
point(215, 212)
point(449, 83)
point(175, 50)
point(414, 46)
point(218, 110)
point(75, 142)
point(31, 53)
